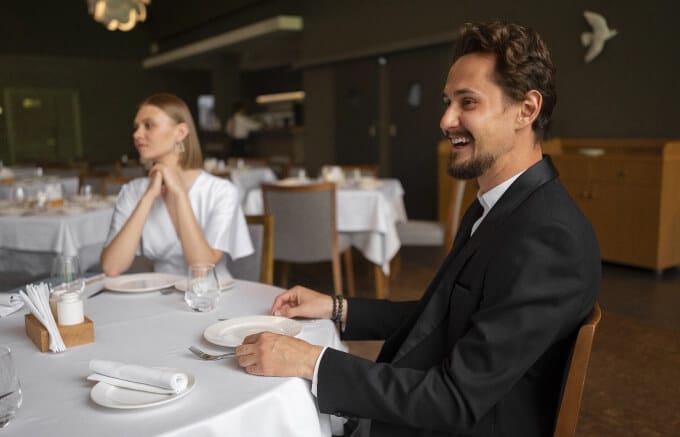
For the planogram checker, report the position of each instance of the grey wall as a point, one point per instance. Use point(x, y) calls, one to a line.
point(58, 45)
point(631, 90)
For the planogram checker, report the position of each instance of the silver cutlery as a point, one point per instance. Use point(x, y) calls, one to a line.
point(206, 356)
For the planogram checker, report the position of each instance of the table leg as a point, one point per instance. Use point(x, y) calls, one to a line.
point(382, 283)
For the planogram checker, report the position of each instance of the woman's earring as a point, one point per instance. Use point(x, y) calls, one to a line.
point(179, 147)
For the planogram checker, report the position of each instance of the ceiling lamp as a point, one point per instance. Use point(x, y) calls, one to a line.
point(118, 14)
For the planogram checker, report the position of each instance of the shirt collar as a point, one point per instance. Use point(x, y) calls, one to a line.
point(489, 199)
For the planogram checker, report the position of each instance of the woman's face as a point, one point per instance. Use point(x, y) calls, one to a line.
point(155, 134)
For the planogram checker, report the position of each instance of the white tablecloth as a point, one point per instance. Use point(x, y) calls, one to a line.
point(29, 243)
point(367, 216)
point(155, 330)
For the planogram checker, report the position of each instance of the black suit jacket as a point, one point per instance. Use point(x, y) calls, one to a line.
point(484, 351)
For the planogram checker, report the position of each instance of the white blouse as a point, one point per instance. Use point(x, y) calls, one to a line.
point(215, 204)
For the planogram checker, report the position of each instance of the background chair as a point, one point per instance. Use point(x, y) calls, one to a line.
point(305, 230)
point(259, 266)
point(572, 392)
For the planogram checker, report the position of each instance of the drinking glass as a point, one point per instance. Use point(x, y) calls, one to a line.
point(65, 278)
point(66, 275)
point(18, 194)
point(10, 390)
point(203, 289)
point(86, 192)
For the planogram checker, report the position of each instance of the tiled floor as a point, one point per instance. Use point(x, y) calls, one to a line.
point(633, 384)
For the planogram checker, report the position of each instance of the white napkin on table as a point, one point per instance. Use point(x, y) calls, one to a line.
point(138, 377)
point(10, 303)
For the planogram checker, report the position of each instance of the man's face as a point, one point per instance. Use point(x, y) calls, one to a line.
point(478, 120)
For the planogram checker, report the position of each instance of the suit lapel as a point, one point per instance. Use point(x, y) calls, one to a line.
point(435, 307)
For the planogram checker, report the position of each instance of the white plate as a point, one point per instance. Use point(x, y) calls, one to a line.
point(225, 284)
point(232, 332)
point(111, 396)
point(140, 282)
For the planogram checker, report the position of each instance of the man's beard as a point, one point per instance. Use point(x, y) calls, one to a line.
point(472, 168)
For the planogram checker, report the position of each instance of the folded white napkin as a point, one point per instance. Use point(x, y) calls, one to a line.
point(9, 303)
point(138, 377)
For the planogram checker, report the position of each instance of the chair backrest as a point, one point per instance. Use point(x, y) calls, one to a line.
point(304, 221)
point(572, 392)
point(258, 266)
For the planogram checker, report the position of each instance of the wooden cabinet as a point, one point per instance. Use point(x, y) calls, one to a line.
point(630, 191)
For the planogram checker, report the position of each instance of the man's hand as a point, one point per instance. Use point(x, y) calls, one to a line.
point(303, 302)
point(270, 354)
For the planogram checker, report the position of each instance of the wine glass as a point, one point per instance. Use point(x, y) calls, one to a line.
point(203, 289)
point(10, 390)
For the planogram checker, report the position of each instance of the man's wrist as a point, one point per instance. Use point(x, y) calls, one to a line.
point(310, 362)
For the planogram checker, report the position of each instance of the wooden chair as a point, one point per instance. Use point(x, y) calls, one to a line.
point(305, 229)
point(462, 194)
point(572, 392)
point(259, 266)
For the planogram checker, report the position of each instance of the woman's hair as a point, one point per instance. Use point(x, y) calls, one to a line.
point(523, 62)
point(176, 109)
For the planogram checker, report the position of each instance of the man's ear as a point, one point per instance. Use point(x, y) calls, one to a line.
point(529, 109)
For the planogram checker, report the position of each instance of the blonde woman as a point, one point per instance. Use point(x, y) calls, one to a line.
point(179, 215)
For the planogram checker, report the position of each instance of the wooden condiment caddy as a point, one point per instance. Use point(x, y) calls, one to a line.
point(73, 335)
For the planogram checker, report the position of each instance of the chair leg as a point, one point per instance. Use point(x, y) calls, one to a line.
point(382, 283)
point(285, 271)
point(349, 271)
point(337, 274)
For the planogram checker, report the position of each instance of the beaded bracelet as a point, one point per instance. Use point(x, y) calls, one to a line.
point(340, 301)
point(334, 314)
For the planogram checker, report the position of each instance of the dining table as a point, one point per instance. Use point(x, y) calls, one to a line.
point(367, 213)
point(31, 237)
point(155, 329)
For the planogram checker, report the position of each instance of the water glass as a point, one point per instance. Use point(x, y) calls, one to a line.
point(86, 192)
point(10, 390)
point(18, 194)
point(203, 289)
point(66, 275)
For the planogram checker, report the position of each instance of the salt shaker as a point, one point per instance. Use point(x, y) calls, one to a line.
point(70, 309)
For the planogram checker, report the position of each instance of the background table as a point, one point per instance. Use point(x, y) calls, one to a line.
point(28, 244)
point(155, 330)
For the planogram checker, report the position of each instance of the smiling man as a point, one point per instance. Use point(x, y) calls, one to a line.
point(483, 353)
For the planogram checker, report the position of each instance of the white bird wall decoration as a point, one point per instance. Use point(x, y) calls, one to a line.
point(595, 40)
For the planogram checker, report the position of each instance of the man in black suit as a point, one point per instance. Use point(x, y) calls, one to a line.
point(484, 351)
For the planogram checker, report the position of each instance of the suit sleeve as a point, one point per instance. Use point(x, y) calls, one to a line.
point(374, 319)
point(532, 293)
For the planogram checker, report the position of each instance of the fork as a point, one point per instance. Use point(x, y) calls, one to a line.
point(206, 356)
